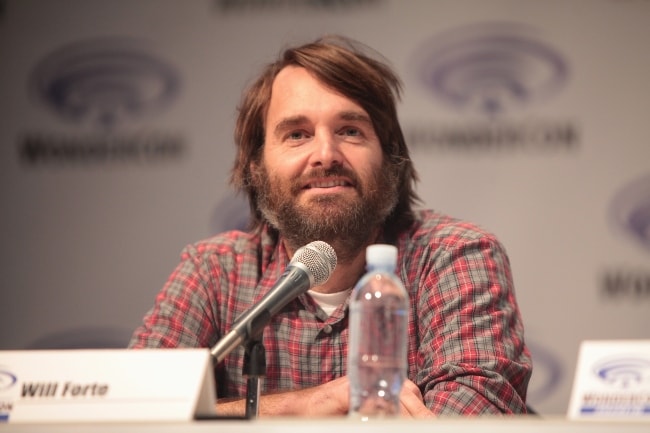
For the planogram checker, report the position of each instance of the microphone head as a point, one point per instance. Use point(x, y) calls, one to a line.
point(320, 260)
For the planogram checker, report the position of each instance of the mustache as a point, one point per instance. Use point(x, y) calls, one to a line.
point(324, 173)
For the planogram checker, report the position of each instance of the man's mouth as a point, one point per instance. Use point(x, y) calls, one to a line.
point(327, 183)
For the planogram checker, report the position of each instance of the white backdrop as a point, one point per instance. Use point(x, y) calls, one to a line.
point(527, 117)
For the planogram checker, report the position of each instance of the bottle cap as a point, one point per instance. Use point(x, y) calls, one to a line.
point(383, 255)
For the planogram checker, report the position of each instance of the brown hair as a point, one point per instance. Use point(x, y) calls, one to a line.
point(343, 65)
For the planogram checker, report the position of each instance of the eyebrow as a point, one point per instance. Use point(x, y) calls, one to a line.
point(355, 116)
point(293, 121)
point(288, 123)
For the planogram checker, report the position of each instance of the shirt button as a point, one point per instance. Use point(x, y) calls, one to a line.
point(327, 329)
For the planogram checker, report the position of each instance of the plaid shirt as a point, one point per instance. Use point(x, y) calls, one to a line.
point(466, 347)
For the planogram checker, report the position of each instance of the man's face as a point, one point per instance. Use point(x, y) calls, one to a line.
point(322, 174)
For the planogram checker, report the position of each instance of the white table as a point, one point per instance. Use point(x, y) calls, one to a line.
point(523, 424)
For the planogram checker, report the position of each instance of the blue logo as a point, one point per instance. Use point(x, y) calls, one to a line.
point(231, 213)
point(548, 373)
point(490, 68)
point(7, 380)
point(630, 210)
point(104, 81)
point(624, 372)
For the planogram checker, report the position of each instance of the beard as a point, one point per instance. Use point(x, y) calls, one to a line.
point(348, 223)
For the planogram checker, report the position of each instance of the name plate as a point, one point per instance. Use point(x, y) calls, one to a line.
point(612, 381)
point(106, 385)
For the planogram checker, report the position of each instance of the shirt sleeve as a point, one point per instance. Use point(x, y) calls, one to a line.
point(182, 315)
point(471, 354)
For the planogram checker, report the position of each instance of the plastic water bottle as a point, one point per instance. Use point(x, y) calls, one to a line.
point(377, 359)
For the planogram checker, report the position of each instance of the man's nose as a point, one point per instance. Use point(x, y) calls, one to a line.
point(327, 151)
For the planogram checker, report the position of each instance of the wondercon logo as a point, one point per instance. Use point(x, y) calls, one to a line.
point(104, 81)
point(630, 210)
point(7, 380)
point(548, 373)
point(624, 372)
point(230, 213)
point(490, 68)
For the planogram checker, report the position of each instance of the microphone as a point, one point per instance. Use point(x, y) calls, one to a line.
point(310, 266)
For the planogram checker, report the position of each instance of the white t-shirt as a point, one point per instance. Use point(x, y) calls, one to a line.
point(329, 301)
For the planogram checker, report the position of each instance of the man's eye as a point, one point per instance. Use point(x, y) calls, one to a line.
point(352, 132)
point(352, 135)
point(296, 135)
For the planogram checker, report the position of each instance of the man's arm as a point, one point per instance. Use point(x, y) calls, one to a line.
point(328, 399)
point(182, 315)
point(472, 358)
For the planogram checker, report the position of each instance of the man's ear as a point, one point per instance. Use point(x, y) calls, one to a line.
point(254, 171)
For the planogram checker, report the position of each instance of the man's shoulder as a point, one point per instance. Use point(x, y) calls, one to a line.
point(230, 244)
point(441, 230)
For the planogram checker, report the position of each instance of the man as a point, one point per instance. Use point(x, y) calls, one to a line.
point(321, 156)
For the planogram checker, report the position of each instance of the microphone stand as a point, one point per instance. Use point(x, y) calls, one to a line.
point(248, 328)
point(254, 370)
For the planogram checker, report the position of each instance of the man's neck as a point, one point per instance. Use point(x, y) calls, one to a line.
point(347, 272)
point(345, 275)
